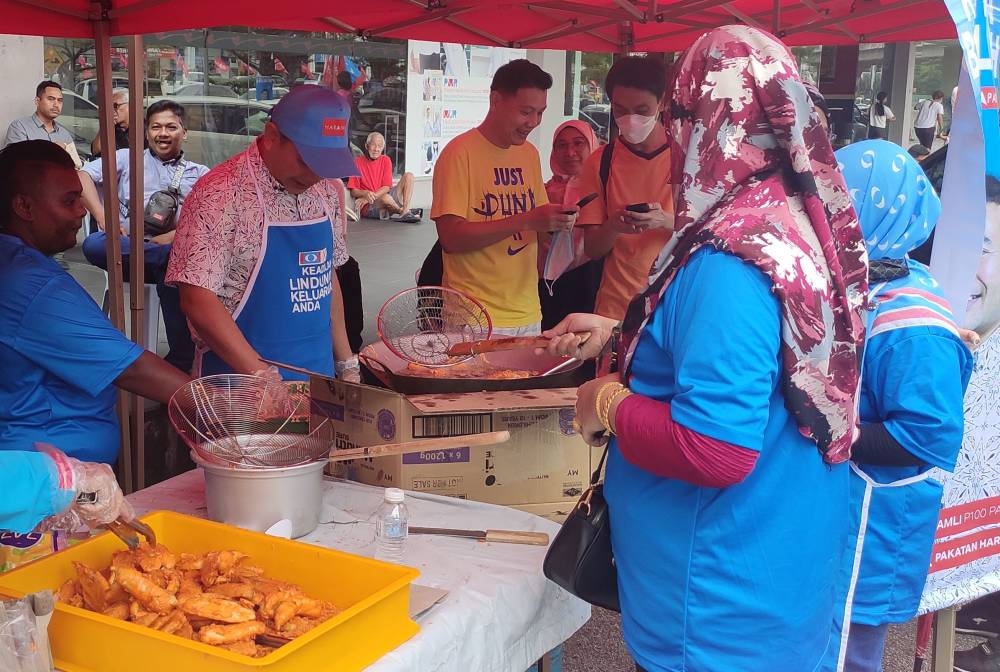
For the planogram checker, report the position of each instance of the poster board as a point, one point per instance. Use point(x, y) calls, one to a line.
point(447, 93)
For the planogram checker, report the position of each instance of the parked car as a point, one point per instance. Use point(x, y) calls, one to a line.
point(847, 122)
point(599, 118)
point(219, 128)
point(202, 89)
point(251, 94)
point(88, 87)
point(391, 98)
point(80, 116)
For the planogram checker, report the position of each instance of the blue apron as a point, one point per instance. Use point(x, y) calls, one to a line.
point(285, 310)
point(894, 518)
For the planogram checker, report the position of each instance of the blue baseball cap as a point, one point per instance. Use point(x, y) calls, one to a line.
point(315, 119)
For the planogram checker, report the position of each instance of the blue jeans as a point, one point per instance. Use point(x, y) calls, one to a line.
point(865, 645)
point(156, 256)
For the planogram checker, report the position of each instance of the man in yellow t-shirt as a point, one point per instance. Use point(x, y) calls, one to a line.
point(639, 175)
point(489, 202)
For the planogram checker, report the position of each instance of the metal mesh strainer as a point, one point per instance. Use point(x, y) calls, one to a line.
point(244, 421)
point(422, 323)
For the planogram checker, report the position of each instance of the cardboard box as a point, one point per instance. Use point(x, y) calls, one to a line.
point(544, 461)
point(557, 511)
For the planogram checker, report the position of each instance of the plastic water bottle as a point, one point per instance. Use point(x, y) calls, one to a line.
point(391, 527)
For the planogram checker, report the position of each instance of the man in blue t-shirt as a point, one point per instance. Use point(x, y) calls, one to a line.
point(60, 357)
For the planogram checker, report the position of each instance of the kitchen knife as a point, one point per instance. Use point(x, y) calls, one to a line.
point(498, 536)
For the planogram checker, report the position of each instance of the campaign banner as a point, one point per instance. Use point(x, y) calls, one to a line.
point(447, 94)
point(965, 559)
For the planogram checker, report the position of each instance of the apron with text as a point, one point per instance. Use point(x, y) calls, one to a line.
point(285, 310)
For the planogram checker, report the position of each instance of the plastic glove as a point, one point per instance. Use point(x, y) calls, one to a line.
point(88, 493)
point(348, 370)
point(276, 401)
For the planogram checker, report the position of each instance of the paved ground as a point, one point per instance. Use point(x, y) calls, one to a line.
point(389, 255)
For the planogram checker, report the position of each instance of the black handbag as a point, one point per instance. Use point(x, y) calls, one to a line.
point(160, 213)
point(580, 558)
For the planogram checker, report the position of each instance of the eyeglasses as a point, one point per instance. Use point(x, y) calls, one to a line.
point(115, 106)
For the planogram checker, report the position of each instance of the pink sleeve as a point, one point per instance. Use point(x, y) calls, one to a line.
point(650, 439)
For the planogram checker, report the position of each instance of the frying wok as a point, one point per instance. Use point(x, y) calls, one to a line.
point(392, 371)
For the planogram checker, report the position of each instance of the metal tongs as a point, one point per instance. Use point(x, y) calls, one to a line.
point(129, 530)
point(126, 530)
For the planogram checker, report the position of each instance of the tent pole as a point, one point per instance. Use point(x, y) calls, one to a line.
point(137, 265)
point(776, 18)
point(116, 289)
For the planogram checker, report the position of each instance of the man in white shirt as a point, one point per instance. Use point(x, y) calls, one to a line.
point(930, 119)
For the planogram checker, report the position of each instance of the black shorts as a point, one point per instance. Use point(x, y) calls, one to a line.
point(925, 136)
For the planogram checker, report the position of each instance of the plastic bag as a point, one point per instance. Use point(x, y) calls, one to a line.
point(24, 643)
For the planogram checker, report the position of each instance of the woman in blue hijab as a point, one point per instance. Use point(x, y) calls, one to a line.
point(913, 379)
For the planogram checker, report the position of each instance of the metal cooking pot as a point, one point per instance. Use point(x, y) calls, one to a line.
point(255, 499)
point(392, 371)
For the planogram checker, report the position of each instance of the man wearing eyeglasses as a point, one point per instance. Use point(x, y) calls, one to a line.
point(120, 117)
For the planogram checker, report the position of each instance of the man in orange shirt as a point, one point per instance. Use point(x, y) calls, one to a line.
point(637, 176)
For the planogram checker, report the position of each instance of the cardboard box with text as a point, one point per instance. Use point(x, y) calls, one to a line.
point(544, 462)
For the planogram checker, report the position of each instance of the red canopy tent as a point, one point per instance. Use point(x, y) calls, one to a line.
point(579, 25)
point(584, 25)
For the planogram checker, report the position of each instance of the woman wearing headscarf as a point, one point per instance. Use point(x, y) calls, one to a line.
point(913, 381)
point(569, 280)
point(735, 410)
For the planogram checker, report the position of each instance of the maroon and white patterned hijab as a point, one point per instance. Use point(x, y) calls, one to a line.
point(756, 177)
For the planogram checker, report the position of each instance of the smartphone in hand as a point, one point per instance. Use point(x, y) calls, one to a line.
point(582, 202)
point(638, 207)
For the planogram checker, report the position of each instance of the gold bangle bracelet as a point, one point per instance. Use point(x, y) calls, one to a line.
point(609, 404)
point(620, 394)
point(597, 400)
point(602, 409)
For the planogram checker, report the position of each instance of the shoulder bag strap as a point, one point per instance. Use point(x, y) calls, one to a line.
point(605, 170)
point(595, 477)
point(175, 183)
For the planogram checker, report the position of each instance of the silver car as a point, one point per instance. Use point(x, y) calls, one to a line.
point(79, 115)
point(218, 128)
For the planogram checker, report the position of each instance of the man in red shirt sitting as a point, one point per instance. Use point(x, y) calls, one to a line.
point(373, 192)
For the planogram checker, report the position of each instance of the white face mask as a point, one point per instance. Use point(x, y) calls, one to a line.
point(635, 128)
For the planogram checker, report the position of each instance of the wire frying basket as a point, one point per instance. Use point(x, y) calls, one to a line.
point(245, 421)
point(420, 324)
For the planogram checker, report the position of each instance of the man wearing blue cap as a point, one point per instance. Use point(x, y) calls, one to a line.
point(259, 240)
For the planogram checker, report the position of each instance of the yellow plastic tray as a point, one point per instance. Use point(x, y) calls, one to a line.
point(374, 597)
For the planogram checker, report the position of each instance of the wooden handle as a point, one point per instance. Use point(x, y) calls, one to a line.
point(419, 445)
point(514, 537)
point(507, 343)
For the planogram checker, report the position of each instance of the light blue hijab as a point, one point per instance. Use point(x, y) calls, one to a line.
point(896, 204)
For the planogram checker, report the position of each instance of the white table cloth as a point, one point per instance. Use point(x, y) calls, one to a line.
point(501, 613)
